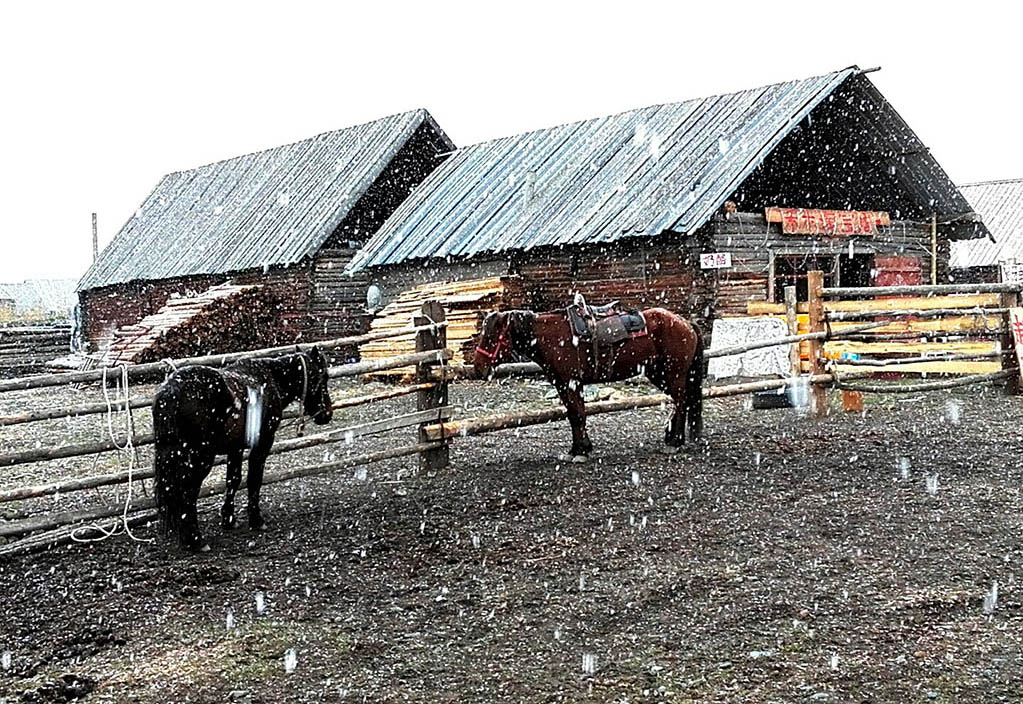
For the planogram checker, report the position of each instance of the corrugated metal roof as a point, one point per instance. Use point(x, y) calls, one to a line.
point(1000, 203)
point(665, 167)
point(273, 207)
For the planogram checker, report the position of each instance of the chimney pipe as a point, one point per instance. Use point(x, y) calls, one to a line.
point(95, 239)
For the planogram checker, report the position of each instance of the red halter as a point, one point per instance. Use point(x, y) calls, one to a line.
point(502, 344)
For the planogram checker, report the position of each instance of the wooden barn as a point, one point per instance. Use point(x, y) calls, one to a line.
point(1000, 257)
point(700, 206)
point(286, 219)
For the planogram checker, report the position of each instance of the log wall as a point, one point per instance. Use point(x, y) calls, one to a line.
point(337, 301)
point(27, 349)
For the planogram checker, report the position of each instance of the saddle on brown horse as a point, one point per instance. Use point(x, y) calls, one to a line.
point(604, 326)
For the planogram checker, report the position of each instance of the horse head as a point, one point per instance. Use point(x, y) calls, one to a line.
point(502, 336)
point(317, 401)
point(494, 344)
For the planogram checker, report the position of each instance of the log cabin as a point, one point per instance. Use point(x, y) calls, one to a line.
point(701, 206)
point(288, 219)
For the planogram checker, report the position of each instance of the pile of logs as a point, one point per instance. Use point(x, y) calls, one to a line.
point(224, 318)
point(466, 304)
point(26, 349)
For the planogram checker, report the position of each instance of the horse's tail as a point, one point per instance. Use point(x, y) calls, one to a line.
point(168, 455)
point(694, 389)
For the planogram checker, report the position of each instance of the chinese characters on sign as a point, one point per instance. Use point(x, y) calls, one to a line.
point(716, 260)
point(836, 223)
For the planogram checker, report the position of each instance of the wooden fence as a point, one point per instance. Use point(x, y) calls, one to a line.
point(944, 329)
point(830, 323)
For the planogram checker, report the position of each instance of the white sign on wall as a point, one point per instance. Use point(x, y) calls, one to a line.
point(716, 260)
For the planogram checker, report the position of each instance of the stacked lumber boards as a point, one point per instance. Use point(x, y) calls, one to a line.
point(224, 318)
point(973, 331)
point(28, 348)
point(465, 303)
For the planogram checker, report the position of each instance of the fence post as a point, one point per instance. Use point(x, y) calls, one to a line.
point(437, 395)
point(1012, 341)
point(793, 324)
point(815, 308)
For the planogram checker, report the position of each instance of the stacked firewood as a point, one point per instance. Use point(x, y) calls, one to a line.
point(466, 303)
point(224, 318)
point(24, 349)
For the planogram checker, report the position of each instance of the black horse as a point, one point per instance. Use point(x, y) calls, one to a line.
point(201, 412)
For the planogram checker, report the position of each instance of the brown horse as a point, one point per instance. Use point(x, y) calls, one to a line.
point(670, 355)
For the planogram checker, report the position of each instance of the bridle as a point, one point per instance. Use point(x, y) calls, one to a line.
point(503, 343)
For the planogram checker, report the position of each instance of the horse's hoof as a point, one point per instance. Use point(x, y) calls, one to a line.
point(580, 459)
point(670, 450)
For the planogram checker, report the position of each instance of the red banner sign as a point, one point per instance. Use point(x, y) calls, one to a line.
point(835, 223)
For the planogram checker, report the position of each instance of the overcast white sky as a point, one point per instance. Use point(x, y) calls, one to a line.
point(99, 99)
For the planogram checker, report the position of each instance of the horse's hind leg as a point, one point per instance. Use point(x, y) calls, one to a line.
point(195, 469)
point(234, 478)
point(673, 383)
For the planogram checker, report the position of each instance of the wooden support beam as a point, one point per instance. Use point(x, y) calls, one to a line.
point(1013, 340)
point(815, 310)
point(429, 339)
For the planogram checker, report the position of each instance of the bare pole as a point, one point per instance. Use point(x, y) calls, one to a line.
point(95, 239)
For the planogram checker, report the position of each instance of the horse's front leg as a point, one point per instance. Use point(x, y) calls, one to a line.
point(571, 396)
point(257, 460)
point(234, 478)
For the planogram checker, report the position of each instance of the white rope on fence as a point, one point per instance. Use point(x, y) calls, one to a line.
point(122, 524)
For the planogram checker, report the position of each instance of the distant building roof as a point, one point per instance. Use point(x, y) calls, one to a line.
point(43, 296)
point(1000, 203)
point(642, 172)
point(273, 207)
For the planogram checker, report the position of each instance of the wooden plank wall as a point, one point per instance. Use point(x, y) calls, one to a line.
point(337, 301)
point(640, 274)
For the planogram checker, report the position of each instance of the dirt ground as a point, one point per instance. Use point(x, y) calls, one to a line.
point(783, 560)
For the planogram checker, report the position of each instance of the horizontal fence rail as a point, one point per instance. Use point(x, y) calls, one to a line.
point(55, 520)
point(214, 360)
point(921, 290)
